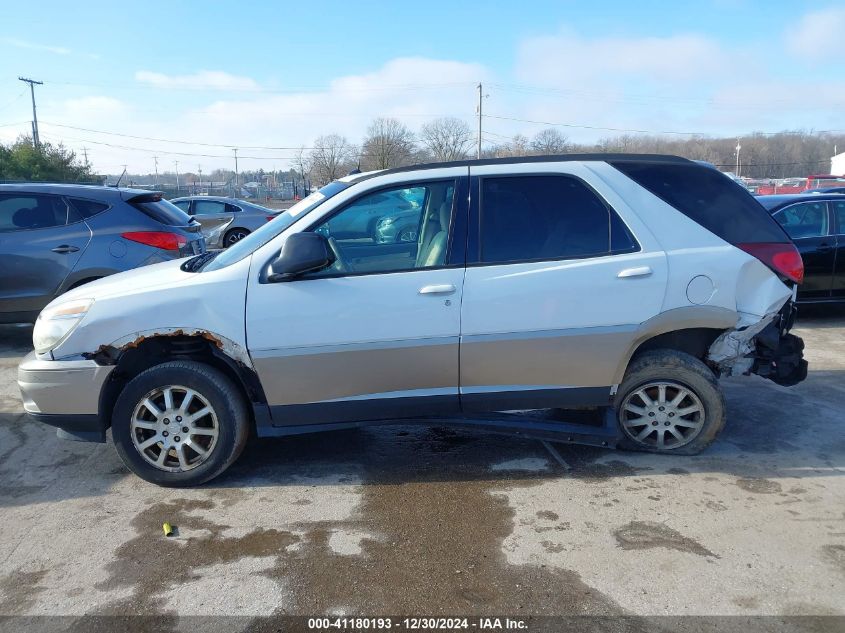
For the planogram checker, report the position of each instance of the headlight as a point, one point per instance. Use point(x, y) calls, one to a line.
point(55, 323)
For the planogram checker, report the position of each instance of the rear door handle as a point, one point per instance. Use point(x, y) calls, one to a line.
point(65, 248)
point(642, 271)
point(443, 289)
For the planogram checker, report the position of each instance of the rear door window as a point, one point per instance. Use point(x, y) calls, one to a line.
point(208, 207)
point(526, 218)
point(24, 211)
point(185, 205)
point(706, 196)
point(806, 219)
point(839, 214)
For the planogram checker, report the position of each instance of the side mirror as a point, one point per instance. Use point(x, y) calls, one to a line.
point(302, 253)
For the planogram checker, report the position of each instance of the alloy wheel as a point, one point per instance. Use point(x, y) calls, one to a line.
point(174, 428)
point(662, 415)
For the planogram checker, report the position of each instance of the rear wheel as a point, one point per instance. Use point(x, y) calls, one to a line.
point(669, 402)
point(181, 423)
point(234, 235)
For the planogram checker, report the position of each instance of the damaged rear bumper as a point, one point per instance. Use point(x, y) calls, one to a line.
point(765, 348)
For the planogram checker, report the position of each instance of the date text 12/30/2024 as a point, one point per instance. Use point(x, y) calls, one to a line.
point(416, 624)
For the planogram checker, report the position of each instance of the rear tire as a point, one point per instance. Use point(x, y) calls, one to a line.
point(669, 402)
point(180, 423)
point(233, 236)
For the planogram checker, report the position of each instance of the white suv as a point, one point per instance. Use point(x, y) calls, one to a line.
point(627, 283)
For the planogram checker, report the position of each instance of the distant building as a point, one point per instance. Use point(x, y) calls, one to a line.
point(837, 165)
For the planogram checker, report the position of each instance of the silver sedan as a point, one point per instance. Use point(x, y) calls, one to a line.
point(225, 220)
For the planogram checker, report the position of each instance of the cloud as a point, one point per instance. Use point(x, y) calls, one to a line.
point(567, 57)
point(202, 80)
point(818, 35)
point(58, 50)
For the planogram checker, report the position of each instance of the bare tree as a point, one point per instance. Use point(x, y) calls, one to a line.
point(388, 144)
point(447, 139)
point(549, 141)
point(302, 165)
point(518, 146)
point(332, 157)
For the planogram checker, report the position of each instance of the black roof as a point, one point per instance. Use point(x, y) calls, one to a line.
point(551, 158)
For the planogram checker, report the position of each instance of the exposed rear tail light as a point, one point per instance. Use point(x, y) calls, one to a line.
point(157, 239)
point(782, 258)
point(271, 217)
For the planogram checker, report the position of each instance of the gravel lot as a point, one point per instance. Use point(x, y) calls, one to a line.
point(424, 521)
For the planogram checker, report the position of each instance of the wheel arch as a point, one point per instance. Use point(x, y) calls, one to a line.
point(689, 329)
point(148, 351)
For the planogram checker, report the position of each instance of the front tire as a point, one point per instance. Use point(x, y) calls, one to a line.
point(669, 402)
point(179, 424)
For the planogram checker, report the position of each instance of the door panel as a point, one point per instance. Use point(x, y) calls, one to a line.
point(838, 289)
point(808, 224)
point(364, 338)
point(35, 258)
point(550, 333)
point(375, 342)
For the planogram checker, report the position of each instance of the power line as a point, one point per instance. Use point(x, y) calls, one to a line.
point(177, 142)
point(168, 85)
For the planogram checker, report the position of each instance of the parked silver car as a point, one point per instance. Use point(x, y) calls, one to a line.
point(225, 220)
point(56, 237)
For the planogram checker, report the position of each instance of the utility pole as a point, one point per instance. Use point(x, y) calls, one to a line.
point(199, 170)
point(36, 142)
point(155, 183)
point(85, 154)
point(738, 147)
point(480, 97)
point(237, 179)
point(176, 162)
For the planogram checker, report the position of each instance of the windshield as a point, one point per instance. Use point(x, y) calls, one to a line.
point(274, 227)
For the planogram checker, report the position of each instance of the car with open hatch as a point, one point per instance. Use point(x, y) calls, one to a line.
point(624, 284)
point(225, 220)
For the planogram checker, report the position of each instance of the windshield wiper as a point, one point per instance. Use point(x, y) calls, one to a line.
point(196, 263)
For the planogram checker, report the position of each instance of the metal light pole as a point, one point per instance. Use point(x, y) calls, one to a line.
point(237, 178)
point(738, 147)
point(176, 163)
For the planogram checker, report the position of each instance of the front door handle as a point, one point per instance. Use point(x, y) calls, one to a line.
point(824, 247)
point(65, 248)
point(628, 273)
point(443, 289)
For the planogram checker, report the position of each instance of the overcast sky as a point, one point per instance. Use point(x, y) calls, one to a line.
point(277, 75)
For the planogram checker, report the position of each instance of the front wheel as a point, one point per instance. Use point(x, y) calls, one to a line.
point(669, 402)
point(181, 423)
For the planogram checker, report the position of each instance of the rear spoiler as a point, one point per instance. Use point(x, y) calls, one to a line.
point(152, 196)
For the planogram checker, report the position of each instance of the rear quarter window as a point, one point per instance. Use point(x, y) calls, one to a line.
point(88, 208)
point(708, 197)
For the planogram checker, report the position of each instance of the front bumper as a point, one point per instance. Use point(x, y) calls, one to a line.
point(65, 394)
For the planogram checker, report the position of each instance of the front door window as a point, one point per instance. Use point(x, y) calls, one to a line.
point(391, 230)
